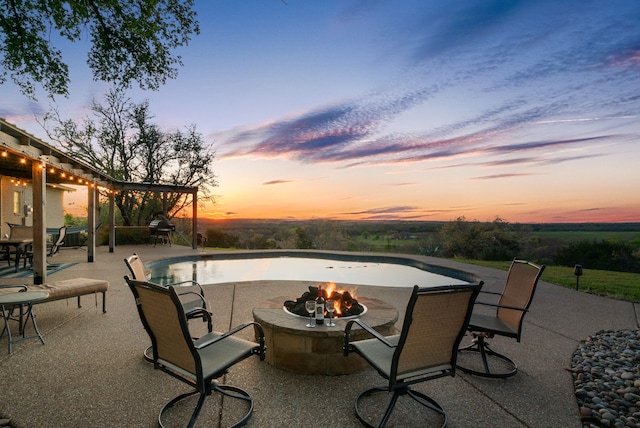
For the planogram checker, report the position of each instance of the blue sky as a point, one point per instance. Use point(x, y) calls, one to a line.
point(417, 110)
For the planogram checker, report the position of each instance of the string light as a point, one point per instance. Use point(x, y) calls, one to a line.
point(52, 170)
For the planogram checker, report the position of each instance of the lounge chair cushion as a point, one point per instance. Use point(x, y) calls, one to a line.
point(71, 287)
point(67, 288)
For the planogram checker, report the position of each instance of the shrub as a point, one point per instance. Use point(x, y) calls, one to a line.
point(220, 239)
point(604, 255)
point(481, 241)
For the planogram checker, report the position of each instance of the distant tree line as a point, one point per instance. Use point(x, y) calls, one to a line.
point(459, 238)
point(603, 255)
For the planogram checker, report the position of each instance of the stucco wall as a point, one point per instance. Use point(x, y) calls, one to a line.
point(54, 211)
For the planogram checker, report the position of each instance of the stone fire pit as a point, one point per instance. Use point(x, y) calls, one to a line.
point(294, 347)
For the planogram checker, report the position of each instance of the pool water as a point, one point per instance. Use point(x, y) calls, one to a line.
point(212, 271)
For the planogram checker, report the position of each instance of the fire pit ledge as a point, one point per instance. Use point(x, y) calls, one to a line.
point(294, 347)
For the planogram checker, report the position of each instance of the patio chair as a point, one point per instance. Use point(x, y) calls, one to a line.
point(18, 231)
point(511, 307)
point(59, 242)
point(53, 249)
point(190, 292)
point(435, 321)
point(201, 240)
point(197, 363)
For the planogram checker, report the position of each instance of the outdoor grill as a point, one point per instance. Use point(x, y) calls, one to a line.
point(161, 229)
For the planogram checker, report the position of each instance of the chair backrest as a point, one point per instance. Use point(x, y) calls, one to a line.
point(435, 322)
point(56, 245)
point(21, 232)
point(518, 293)
point(136, 267)
point(164, 320)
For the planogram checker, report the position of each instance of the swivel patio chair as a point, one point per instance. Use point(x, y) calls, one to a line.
point(190, 292)
point(53, 249)
point(197, 363)
point(435, 321)
point(511, 307)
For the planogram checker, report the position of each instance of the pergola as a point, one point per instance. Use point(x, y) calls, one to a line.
point(26, 157)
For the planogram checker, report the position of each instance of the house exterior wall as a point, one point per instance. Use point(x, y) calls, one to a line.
point(11, 209)
point(55, 207)
point(14, 196)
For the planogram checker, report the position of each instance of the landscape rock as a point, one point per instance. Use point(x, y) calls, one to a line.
point(606, 375)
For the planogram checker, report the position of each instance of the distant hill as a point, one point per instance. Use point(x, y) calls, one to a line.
point(413, 225)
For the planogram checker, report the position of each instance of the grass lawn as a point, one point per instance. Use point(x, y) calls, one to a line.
point(618, 285)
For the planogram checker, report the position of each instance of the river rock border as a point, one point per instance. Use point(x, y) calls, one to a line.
point(606, 378)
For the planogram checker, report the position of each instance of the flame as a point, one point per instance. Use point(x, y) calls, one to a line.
point(331, 287)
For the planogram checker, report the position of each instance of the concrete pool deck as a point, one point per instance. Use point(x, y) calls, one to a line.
point(91, 372)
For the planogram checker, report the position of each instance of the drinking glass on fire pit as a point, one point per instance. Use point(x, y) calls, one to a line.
point(330, 305)
point(310, 306)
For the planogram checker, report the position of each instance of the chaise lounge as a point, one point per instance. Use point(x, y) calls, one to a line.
point(66, 289)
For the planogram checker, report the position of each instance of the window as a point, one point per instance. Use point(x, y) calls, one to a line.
point(17, 203)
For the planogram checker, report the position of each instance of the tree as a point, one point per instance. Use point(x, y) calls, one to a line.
point(130, 40)
point(483, 241)
point(122, 141)
point(303, 240)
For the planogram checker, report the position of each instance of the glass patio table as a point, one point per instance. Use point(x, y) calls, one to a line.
point(21, 300)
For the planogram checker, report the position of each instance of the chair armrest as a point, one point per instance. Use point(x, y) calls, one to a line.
point(199, 311)
point(187, 293)
point(490, 292)
point(495, 305)
point(234, 331)
point(192, 284)
point(347, 335)
point(21, 287)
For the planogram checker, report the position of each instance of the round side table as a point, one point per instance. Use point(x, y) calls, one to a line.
point(22, 299)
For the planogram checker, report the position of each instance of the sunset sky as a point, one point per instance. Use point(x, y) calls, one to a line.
point(416, 110)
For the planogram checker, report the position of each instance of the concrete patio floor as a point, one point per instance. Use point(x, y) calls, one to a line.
point(91, 372)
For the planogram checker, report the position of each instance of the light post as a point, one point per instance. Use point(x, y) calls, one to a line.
point(577, 271)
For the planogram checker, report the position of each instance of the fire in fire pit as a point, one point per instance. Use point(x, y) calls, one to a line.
point(346, 303)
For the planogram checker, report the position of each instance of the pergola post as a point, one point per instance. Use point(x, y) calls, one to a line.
point(39, 189)
point(194, 220)
point(112, 221)
point(91, 222)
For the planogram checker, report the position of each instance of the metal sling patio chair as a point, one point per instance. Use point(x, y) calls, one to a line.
point(435, 321)
point(197, 363)
point(55, 247)
point(190, 292)
point(52, 250)
point(511, 307)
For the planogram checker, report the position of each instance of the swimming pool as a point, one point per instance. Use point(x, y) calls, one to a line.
point(386, 271)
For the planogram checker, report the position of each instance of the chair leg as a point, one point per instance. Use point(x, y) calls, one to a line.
point(481, 346)
point(227, 390)
point(171, 403)
point(419, 397)
point(148, 354)
point(209, 323)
